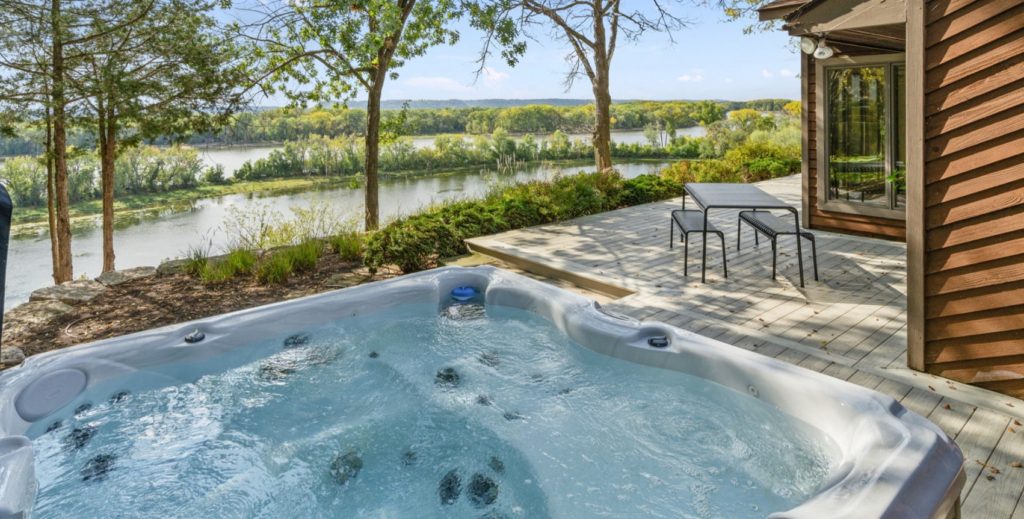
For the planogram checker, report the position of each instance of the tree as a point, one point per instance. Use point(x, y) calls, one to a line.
point(793, 108)
point(154, 68)
point(328, 52)
point(591, 28)
point(707, 112)
point(34, 41)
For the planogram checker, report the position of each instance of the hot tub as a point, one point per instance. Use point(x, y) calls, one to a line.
point(396, 399)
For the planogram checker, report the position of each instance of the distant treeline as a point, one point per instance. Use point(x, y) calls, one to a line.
point(284, 124)
point(745, 141)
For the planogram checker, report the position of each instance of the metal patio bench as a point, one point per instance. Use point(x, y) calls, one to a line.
point(772, 227)
point(691, 221)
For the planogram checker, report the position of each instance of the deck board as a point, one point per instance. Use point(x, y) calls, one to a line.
point(850, 325)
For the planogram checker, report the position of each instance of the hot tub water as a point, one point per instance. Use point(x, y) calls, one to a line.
point(417, 411)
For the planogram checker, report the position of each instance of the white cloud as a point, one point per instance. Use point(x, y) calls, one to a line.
point(728, 80)
point(695, 75)
point(767, 73)
point(492, 76)
point(786, 73)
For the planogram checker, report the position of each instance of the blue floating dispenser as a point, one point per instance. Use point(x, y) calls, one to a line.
point(464, 293)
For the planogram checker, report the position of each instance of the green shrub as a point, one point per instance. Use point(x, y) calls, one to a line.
point(348, 245)
point(645, 189)
point(768, 167)
point(303, 257)
point(412, 243)
point(274, 268)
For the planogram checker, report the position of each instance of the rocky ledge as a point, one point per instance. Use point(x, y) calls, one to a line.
point(52, 303)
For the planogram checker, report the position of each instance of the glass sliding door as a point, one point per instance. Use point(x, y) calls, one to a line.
point(865, 117)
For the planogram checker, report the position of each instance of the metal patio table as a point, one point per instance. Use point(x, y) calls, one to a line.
point(710, 196)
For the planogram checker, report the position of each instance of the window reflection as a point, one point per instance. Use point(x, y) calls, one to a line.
point(857, 135)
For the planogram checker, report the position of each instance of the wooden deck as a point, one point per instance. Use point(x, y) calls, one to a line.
point(850, 325)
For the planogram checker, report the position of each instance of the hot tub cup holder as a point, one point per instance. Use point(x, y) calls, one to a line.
point(658, 341)
point(464, 294)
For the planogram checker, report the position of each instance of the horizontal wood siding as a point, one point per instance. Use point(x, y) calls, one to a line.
point(831, 220)
point(974, 192)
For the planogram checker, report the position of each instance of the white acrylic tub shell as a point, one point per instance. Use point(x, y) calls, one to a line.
point(890, 462)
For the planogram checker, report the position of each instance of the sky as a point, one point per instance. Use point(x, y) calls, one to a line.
point(711, 59)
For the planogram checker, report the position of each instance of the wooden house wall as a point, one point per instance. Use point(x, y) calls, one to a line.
point(973, 278)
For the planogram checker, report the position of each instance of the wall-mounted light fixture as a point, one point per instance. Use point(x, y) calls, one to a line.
point(817, 48)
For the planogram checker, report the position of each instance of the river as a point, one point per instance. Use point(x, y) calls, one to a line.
point(170, 235)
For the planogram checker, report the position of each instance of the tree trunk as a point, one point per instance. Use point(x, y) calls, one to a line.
point(50, 210)
point(602, 123)
point(108, 152)
point(373, 152)
point(602, 97)
point(63, 220)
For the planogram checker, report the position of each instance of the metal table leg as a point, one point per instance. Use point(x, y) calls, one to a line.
point(799, 247)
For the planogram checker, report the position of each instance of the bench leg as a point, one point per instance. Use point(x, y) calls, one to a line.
point(774, 256)
point(671, 231)
point(739, 229)
point(686, 253)
point(725, 267)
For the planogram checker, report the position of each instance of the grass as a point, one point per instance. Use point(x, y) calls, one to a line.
point(348, 245)
point(303, 257)
point(196, 259)
point(236, 263)
point(274, 269)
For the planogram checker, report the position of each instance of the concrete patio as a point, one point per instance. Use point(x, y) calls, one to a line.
point(850, 325)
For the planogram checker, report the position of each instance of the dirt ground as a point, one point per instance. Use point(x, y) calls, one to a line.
point(162, 300)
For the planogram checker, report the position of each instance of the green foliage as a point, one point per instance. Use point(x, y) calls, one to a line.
point(260, 226)
point(196, 258)
point(348, 245)
point(417, 242)
point(303, 257)
point(645, 189)
point(751, 161)
point(274, 269)
point(236, 263)
point(290, 124)
point(214, 176)
point(323, 52)
point(138, 170)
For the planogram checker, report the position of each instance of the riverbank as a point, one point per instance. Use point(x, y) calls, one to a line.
point(33, 220)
